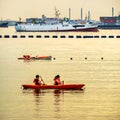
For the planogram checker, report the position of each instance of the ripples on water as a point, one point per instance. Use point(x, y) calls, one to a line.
point(94, 62)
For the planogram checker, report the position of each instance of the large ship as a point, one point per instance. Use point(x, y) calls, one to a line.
point(56, 24)
point(55, 27)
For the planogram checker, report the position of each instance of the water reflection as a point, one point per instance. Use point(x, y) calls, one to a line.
point(57, 103)
point(56, 92)
point(57, 97)
point(49, 103)
point(37, 92)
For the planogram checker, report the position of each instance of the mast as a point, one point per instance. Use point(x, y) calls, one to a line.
point(57, 13)
point(112, 12)
point(81, 14)
point(88, 15)
point(69, 13)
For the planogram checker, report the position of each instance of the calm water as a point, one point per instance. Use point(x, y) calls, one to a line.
point(100, 100)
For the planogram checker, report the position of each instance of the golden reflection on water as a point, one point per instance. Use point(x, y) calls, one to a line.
point(95, 62)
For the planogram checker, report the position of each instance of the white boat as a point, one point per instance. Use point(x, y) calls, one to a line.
point(55, 27)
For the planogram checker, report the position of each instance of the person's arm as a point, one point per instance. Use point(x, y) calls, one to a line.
point(42, 81)
point(34, 81)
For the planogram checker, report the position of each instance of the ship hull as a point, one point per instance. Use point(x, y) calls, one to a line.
point(36, 58)
point(109, 26)
point(53, 28)
point(71, 30)
point(3, 24)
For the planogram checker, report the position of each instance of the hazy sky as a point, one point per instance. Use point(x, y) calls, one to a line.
point(13, 9)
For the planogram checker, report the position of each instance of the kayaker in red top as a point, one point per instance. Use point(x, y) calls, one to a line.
point(37, 80)
point(57, 80)
point(26, 57)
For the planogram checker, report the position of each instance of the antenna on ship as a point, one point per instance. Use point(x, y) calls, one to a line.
point(119, 13)
point(112, 11)
point(57, 13)
point(88, 15)
point(69, 13)
point(81, 14)
point(20, 19)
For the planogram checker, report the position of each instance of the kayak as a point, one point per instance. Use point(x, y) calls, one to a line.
point(36, 58)
point(63, 86)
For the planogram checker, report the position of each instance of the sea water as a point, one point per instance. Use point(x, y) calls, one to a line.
point(92, 61)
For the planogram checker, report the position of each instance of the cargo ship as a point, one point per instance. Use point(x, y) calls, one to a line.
point(110, 22)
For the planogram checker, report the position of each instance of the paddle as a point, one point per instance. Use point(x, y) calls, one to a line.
point(42, 80)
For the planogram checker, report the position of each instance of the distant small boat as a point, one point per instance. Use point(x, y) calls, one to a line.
point(63, 86)
point(28, 57)
point(3, 24)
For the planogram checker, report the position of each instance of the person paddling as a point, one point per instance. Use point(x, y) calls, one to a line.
point(26, 57)
point(57, 80)
point(38, 80)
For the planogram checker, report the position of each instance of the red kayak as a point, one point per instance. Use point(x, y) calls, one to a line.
point(28, 57)
point(64, 86)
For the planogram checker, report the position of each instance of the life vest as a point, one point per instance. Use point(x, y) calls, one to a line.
point(26, 56)
point(57, 81)
point(36, 81)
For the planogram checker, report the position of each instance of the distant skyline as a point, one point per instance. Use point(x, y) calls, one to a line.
point(15, 9)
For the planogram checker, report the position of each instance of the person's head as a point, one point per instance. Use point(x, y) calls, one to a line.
point(57, 76)
point(37, 76)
